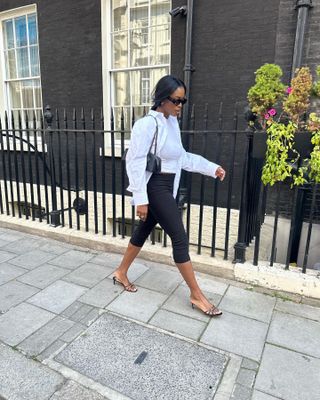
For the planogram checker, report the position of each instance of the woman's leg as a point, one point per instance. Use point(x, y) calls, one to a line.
point(196, 295)
point(135, 244)
point(165, 211)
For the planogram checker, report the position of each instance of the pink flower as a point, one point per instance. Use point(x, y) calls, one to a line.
point(267, 116)
point(272, 112)
point(289, 89)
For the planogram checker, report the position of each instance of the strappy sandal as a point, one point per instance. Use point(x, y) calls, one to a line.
point(128, 288)
point(212, 312)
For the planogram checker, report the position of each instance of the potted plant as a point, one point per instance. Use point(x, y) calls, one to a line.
point(284, 134)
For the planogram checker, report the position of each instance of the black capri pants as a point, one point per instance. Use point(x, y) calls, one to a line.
point(163, 209)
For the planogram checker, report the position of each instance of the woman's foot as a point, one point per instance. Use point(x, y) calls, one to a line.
point(123, 280)
point(204, 305)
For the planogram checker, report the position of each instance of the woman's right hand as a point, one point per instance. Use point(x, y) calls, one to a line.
point(142, 211)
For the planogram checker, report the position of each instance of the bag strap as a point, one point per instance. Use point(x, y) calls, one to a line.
point(155, 136)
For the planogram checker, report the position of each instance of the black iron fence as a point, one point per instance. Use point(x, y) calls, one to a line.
point(68, 172)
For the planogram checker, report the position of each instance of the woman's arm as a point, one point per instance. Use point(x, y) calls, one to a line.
point(195, 163)
point(136, 159)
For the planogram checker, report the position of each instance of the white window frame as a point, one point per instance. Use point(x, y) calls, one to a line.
point(4, 101)
point(106, 42)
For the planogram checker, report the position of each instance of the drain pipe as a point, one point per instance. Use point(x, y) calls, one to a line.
point(186, 10)
point(303, 7)
point(188, 68)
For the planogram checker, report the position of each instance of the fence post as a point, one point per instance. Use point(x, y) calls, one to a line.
point(241, 245)
point(54, 214)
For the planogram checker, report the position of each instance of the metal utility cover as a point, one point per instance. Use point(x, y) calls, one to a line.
point(142, 363)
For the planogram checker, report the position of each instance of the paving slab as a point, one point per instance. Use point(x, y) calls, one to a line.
point(111, 260)
point(25, 379)
point(72, 259)
point(140, 305)
point(9, 272)
point(295, 333)
point(13, 293)
point(179, 302)
point(6, 256)
point(241, 393)
point(24, 244)
point(11, 235)
point(262, 396)
point(54, 247)
point(146, 364)
point(210, 284)
point(180, 324)
point(3, 242)
point(249, 304)
point(88, 274)
point(21, 321)
point(45, 336)
point(32, 259)
point(73, 332)
point(101, 294)
point(160, 280)
point(43, 276)
point(237, 334)
point(246, 377)
point(58, 296)
point(52, 349)
point(73, 391)
point(301, 310)
point(288, 375)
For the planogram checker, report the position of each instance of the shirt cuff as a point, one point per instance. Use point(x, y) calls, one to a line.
point(213, 169)
point(140, 198)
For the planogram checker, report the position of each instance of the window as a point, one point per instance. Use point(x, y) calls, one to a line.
point(139, 39)
point(21, 82)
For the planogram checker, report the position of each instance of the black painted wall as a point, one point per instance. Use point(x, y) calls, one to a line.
point(70, 51)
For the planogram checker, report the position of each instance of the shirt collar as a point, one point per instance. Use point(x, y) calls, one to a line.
point(159, 115)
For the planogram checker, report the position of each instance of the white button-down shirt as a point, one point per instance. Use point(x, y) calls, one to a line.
point(136, 158)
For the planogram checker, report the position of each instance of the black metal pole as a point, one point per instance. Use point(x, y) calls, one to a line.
point(54, 214)
point(303, 7)
point(187, 69)
point(241, 245)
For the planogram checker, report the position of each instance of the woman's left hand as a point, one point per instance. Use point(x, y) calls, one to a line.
point(220, 173)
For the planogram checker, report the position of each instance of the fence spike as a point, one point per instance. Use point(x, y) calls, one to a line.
point(133, 117)
point(82, 117)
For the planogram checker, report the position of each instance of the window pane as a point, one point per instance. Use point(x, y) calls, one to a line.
point(126, 120)
point(119, 15)
point(8, 34)
point(160, 12)
point(141, 88)
point(14, 93)
point(27, 93)
point(10, 57)
point(139, 47)
point(37, 93)
point(160, 45)
point(21, 31)
point(23, 62)
point(32, 27)
point(120, 50)
point(34, 61)
point(139, 13)
point(156, 74)
point(121, 93)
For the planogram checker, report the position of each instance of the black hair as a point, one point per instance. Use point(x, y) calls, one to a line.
point(164, 88)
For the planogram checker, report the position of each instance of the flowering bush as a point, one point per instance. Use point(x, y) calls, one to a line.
point(282, 111)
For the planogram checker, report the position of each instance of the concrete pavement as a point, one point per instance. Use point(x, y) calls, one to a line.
point(66, 332)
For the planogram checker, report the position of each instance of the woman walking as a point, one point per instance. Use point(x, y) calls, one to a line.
point(154, 193)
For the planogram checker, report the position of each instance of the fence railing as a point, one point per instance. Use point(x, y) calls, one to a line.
point(68, 172)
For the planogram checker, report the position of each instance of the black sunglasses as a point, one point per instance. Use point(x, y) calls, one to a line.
point(177, 102)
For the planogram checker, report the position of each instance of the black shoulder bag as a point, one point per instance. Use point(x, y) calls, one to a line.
point(153, 161)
